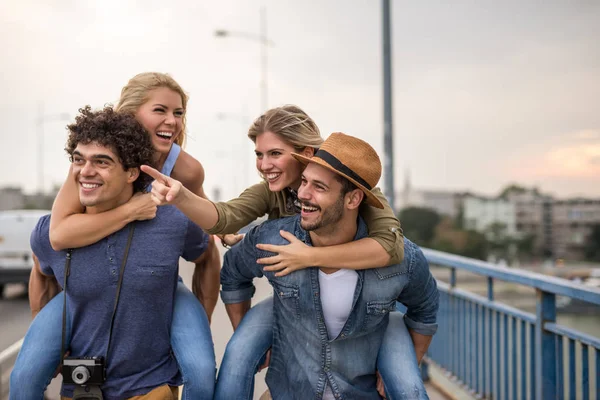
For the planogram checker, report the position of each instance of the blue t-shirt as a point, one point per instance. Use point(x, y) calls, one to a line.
point(140, 358)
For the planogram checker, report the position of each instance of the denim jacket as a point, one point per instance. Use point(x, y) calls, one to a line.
point(303, 357)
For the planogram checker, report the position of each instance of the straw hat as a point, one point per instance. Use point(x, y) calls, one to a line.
point(352, 158)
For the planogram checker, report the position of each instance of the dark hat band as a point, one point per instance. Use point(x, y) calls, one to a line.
point(341, 167)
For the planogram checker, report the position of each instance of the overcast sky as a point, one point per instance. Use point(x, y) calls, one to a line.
point(485, 92)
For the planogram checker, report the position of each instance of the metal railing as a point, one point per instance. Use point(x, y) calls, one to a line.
point(496, 351)
point(493, 350)
point(7, 360)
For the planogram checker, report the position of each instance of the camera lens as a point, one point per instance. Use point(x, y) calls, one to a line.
point(80, 375)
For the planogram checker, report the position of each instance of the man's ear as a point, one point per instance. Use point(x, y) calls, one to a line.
point(354, 199)
point(133, 173)
point(308, 151)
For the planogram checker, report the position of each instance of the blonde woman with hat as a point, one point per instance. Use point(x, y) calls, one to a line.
point(277, 134)
point(159, 103)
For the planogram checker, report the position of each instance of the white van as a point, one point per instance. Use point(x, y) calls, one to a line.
point(15, 252)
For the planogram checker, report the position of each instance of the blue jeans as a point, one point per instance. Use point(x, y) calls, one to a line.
point(396, 362)
point(191, 342)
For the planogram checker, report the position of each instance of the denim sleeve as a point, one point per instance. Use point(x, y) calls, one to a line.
point(239, 269)
point(40, 244)
point(421, 296)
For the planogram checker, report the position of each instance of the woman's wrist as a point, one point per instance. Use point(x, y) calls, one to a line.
point(185, 198)
point(312, 257)
point(129, 212)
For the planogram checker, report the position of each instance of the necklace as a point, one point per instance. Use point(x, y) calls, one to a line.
point(292, 203)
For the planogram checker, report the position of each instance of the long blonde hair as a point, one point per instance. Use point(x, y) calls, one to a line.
point(291, 123)
point(137, 90)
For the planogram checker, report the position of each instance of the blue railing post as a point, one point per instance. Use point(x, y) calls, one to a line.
point(545, 349)
point(480, 348)
point(453, 277)
point(585, 373)
point(453, 322)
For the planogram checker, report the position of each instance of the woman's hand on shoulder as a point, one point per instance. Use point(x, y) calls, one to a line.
point(290, 257)
point(142, 207)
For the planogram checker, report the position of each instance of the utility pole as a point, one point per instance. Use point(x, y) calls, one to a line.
point(388, 142)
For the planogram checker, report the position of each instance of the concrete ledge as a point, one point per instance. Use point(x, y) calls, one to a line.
point(447, 385)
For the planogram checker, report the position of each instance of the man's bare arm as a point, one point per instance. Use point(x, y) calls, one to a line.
point(206, 279)
point(236, 312)
point(421, 343)
point(42, 288)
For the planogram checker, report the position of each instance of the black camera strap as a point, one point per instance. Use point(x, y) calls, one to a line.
point(112, 320)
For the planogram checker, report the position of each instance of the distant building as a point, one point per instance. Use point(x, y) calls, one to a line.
point(572, 223)
point(442, 201)
point(482, 213)
point(533, 212)
point(11, 198)
point(559, 228)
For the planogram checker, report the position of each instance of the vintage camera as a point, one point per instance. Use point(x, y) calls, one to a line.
point(84, 371)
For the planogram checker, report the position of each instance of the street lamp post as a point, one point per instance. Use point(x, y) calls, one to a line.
point(40, 120)
point(388, 132)
point(264, 44)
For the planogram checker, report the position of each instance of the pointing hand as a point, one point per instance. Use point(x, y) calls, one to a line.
point(165, 190)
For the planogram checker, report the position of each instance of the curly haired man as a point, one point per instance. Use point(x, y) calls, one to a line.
point(120, 290)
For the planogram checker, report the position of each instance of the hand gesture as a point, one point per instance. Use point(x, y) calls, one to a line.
point(165, 190)
point(289, 258)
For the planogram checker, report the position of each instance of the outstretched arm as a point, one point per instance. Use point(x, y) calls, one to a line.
point(167, 190)
point(71, 228)
point(215, 218)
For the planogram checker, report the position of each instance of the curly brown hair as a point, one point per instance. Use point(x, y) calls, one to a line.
point(121, 132)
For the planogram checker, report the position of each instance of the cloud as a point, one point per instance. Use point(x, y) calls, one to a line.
point(573, 155)
point(586, 135)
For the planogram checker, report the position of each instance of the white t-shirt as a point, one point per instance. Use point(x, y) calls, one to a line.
point(337, 293)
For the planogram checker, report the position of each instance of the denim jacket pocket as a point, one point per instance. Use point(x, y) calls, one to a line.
point(392, 270)
point(376, 312)
point(289, 295)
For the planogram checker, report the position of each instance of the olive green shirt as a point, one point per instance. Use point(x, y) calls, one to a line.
point(258, 200)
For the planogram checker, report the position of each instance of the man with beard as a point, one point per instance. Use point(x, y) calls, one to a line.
point(329, 323)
